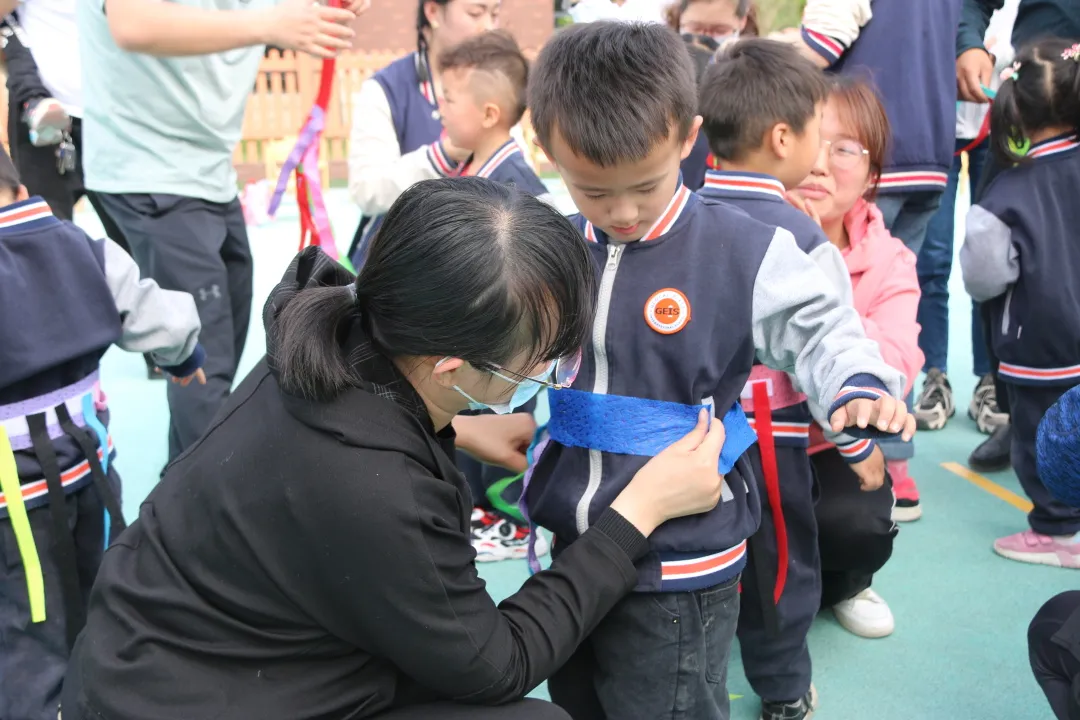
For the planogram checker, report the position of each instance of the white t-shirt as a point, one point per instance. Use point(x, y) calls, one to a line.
point(631, 10)
point(49, 27)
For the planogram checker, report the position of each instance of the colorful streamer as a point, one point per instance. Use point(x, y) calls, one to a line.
point(303, 161)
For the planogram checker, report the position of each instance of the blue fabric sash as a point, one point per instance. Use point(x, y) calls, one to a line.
point(635, 426)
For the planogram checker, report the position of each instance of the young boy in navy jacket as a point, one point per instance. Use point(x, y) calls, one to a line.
point(757, 102)
point(691, 291)
point(1021, 260)
point(484, 83)
point(65, 299)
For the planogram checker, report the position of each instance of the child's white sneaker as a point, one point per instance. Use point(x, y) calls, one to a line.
point(866, 615)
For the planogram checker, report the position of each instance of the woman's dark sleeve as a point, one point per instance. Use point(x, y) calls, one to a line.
point(414, 597)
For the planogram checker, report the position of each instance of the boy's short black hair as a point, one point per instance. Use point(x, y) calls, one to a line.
point(753, 85)
point(9, 176)
point(498, 53)
point(613, 90)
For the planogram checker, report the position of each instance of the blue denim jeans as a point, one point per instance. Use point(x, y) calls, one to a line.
point(935, 266)
point(655, 655)
point(907, 215)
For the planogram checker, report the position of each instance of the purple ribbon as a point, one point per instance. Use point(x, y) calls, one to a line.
point(535, 452)
point(304, 143)
point(319, 215)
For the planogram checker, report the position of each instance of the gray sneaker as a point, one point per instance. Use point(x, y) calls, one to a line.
point(984, 409)
point(935, 404)
point(801, 709)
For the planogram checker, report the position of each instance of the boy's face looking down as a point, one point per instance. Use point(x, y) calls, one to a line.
point(625, 199)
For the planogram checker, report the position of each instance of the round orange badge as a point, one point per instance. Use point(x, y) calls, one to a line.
point(667, 311)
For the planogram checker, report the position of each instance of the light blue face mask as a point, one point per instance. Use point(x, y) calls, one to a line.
point(525, 390)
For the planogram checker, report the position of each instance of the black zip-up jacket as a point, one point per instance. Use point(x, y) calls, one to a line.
point(1034, 19)
point(312, 560)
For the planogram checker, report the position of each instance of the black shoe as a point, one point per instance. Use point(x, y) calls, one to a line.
point(802, 709)
point(994, 454)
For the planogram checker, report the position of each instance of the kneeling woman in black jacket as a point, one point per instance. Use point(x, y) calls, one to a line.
point(309, 557)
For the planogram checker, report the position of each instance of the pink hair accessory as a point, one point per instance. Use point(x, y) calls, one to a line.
point(1072, 53)
point(1011, 73)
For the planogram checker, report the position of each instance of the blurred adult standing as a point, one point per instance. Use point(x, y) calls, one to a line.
point(165, 87)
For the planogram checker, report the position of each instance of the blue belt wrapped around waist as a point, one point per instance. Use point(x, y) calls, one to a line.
point(635, 426)
point(626, 426)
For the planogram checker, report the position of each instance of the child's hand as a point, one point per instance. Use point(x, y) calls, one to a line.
point(871, 471)
point(198, 375)
point(886, 413)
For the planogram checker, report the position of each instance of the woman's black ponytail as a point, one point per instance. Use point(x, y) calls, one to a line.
point(422, 24)
point(1041, 90)
point(309, 335)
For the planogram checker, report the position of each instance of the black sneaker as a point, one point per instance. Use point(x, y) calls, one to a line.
point(802, 709)
point(995, 453)
point(935, 404)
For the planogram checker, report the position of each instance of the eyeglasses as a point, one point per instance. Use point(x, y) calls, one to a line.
point(844, 154)
point(564, 371)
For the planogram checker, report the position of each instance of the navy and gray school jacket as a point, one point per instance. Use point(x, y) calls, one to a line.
point(680, 317)
point(64, 299)
point(417, 121)
point(908, 51)
point(508, 166)
point(1022, 259)
point(67, 298)
point(762, 197)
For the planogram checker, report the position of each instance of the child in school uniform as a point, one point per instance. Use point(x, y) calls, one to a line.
point(854, 521)
point(691, 291)
point(756, 100)
point(484, 82)
point(66, 299)
point(1020, 258)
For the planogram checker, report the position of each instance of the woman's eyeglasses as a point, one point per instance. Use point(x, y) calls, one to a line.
point(845, 154)
point(562, 373)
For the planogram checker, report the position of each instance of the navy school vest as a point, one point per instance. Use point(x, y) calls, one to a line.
point(414, 110)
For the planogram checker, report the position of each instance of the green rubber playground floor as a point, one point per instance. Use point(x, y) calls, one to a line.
point(959, 651)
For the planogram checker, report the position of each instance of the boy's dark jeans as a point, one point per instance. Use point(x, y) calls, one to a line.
point(33, 656)
point(655, 655)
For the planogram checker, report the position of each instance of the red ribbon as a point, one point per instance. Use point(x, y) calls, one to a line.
point(309, 234)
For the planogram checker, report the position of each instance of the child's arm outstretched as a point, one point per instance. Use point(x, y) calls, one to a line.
point(801, 327)
point(989, 260)
point(164, 323)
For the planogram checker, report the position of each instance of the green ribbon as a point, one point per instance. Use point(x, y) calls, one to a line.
point(20, 524)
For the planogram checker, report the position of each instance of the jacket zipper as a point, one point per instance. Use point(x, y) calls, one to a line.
point(1008, 310)
point(600, 384)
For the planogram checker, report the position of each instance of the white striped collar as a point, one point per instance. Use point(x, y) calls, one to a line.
point(504, 153)
point(745, 184)
point(1054, 146)
point(23, 212)
point(663, 224)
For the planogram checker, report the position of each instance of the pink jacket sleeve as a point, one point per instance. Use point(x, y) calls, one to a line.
point(891, 317)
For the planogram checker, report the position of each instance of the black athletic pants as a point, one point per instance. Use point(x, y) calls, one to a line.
point(1054, 652)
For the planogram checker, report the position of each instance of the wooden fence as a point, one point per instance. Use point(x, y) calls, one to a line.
point(284, 93)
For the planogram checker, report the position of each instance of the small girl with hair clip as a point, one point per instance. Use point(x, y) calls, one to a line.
point(1022, 259)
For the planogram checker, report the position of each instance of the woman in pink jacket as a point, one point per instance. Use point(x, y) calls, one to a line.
point(856, 529)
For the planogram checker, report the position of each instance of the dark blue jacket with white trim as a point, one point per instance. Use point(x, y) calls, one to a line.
point(67, 298)
point(907, 49)
point(1021, 258)
point(762, 197)
point(681, 316)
